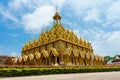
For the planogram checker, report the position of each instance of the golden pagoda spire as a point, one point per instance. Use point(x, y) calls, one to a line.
point(35, 39)
point(81, 39)
point(47, 30)
point(57, 17)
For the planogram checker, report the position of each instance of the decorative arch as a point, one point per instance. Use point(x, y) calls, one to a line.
point(37, 57)
point(95, 60)
point(31, 59)
point(82, 59)
point(67, 56)
point(14, 60)
point(44, 57)
point(25, 57)
point(76, 55)
point(20, 61)
point(87, 59)
point(68, 51)
point(92, 59)
point(53, 57)
point(55, 52)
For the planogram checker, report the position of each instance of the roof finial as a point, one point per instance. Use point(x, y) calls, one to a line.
point(57, 17)
point(56, 8)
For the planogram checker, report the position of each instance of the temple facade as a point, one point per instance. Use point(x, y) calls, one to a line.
point(59, 46)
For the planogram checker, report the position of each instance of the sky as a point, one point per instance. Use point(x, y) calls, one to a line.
point(98, 21)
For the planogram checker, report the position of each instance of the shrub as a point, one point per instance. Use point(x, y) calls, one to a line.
point(40, 71)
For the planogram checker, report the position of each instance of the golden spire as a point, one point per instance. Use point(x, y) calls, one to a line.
point(47, 30)
point(81, 39)
point(57, 17)
point(35, 39)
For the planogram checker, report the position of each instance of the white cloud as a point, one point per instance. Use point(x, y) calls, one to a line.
point(58, 3)
point(104, 43)
point(32, 4)
point(93, 15)
point(81, 6)
point(40, 18)
point(37, 14)
point(7, 14)
point(114, 39)
point(17, 5)
point(104, 11)
point(113, 14)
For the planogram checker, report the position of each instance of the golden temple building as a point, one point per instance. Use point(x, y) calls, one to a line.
point(59, 46)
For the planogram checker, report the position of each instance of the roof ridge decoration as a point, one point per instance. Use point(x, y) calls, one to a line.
point(55, 33)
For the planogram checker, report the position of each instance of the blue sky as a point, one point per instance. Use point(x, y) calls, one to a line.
point(96, 21)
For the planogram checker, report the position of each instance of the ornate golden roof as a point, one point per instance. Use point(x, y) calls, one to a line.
point(57, 32)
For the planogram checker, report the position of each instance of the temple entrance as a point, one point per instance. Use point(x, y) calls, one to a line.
point(58, 60)
point(43, 61)
point(85, 62)
point(72, 59)
point(52, 59)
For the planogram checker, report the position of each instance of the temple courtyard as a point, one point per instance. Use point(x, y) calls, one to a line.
point(77, 76)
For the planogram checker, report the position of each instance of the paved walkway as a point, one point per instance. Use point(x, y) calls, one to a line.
point(78, 76)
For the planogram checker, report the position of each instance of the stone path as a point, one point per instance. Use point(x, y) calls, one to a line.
point(78, 76)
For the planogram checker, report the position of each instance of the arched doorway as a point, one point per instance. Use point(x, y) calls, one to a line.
point(51, 59)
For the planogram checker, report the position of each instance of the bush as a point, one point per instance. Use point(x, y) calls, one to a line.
point(40, 71)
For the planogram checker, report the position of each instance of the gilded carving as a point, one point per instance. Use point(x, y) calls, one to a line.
point(59, 46)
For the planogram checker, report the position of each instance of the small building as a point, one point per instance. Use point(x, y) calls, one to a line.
point(6, 60)
point(116, 60)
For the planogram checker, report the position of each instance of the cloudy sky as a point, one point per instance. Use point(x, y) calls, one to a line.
point(95, 20)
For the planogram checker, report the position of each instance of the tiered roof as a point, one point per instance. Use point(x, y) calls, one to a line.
point(55, 33)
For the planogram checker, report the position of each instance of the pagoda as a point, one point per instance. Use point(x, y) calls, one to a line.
point(59, 46)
